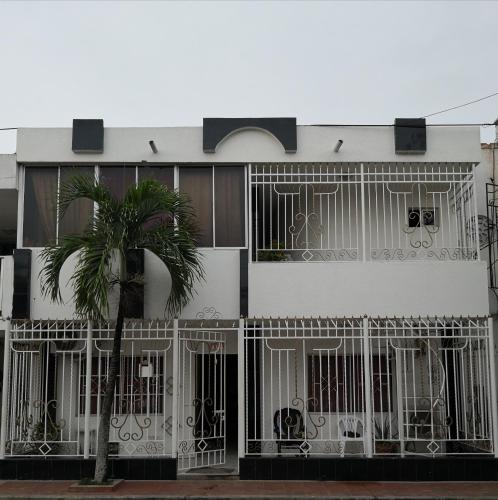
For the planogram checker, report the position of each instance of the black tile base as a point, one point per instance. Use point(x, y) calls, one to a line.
point(77, 468)
point(370, 469)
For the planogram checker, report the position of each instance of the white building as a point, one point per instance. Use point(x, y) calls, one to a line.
point(345, 311)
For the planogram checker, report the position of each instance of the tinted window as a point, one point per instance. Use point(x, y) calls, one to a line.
point(197, 184)
point(40, 206)
point(117, 179)
point(164, 175)
point(229, 206)
point(79, 213)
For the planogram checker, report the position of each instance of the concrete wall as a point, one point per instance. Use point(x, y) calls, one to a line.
point(6, 284)
point(8, 172)
point(217, 296)
point(296, 289)
point(184, 144)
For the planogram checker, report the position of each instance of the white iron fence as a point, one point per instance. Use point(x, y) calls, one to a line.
point(349, 212)
point(316, 386)
point(55, 378)
point(369, 386)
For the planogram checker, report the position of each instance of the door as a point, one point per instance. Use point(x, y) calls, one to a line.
point(202, 399)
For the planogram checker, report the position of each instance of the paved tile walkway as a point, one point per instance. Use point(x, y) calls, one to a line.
point(196, 489)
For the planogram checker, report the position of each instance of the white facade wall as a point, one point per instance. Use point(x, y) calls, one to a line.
point(184, 145)
point(217, 295)
point(6, 285)
point(8, 172)
point(293, 289)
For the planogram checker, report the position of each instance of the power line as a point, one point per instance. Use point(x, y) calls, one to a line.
point(461, 105)
point(9, 128)
point(392, 125)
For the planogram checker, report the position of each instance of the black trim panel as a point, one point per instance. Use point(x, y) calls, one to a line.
point(216, 129)
point(370, 469)
point(88, 136)
point(22, 284)
point(244, 283)
point(54, 468)
point(410, 135)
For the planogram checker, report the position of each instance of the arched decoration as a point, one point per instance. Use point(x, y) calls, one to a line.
point(282, 129)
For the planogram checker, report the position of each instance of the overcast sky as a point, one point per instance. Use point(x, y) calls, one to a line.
point(173, 63)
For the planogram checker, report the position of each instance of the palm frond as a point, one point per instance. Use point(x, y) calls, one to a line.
point(85, 187)
point(151, 217)
point(92, 279)
point(54, 257)
point(176, 249)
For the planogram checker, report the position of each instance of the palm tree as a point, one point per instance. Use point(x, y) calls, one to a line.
point(148, 217)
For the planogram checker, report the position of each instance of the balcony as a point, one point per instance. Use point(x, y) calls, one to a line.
point(353, 239)
point(363, 212)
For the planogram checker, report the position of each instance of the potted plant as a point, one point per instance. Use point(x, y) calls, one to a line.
point(276, 253)
point(385, 432)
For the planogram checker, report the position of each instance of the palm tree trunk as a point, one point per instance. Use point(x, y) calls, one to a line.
point(102, 462)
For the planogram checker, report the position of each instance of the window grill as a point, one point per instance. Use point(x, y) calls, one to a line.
point(351, 212)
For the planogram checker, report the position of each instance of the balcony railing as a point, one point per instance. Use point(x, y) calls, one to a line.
point(354, 212)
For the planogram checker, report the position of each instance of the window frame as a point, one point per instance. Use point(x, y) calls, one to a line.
point(125, 397)
point(213, 205)
point(176, 179)
point(421, 219)
point(347, 364)
point(22, 193)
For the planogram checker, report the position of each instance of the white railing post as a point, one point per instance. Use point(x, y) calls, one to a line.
point(368, 390)
point(88, 390)
point(363, 214)
point(476, 216)
point(492, 377)
point(240, 387)
point(5, 390)
point(174, 415)
point(399, 401)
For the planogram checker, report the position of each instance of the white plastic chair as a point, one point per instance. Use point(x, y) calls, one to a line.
point(350, 429)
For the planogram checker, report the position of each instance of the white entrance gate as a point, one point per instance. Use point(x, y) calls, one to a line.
point(202, 398)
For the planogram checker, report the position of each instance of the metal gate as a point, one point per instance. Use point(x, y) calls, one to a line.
point(437, 378)
point(202, 398)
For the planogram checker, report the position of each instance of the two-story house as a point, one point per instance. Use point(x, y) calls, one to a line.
point(342, 330)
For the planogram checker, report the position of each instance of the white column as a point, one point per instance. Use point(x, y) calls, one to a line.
point(88, 390)
point(363, 215)
point(368, 390)
point(492, 377)
point(240, 388)
point(174, 416)
point(399, 400)
point(5, 391)
point(249, 221)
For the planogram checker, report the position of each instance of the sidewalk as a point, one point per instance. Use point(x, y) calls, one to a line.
point(197, 489)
